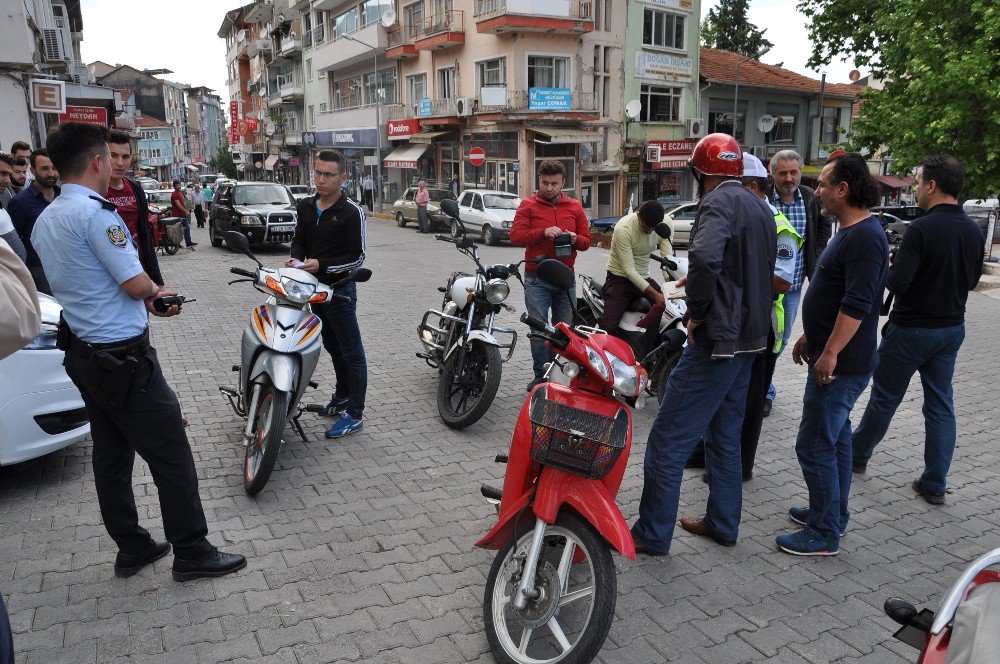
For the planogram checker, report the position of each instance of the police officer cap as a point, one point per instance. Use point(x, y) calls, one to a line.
point(752, 167)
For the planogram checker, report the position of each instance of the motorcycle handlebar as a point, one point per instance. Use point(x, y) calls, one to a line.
point(243, 273)
point(536, 324)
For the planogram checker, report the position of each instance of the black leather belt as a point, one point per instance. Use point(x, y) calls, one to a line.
point(117, 349)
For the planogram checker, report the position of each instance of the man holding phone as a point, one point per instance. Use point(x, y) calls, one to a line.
point(550, 224)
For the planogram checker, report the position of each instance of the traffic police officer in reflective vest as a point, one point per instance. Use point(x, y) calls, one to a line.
point(95, 274)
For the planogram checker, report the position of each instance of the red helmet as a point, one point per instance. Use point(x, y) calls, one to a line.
point(718, 154)
point(835, 154)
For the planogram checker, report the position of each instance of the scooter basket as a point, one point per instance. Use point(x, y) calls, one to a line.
point(174, 228)
point(576, 440)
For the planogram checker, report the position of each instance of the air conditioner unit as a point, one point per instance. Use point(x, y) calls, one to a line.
point(760, 152)
point(54, 46)
point(464, 106)
point(653, 154)
point(694, 128)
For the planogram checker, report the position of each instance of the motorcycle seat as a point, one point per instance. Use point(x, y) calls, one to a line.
point(640, 305)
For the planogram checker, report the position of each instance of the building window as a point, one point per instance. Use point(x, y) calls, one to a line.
point(347, 93)
point(386, 88)
point(784, 123)
point(598, 15)
point(416, 88)
point(309, 69)
point(491, 72)
point(372, 10)
point(720, 118)
point(413, 15)
point(607, 15)
point(662, 29)
point(346, 22)
point(322, 108)
point(548, 72)
point(312, 117)
point(446, 83)
point(660, 104)
point(830, 127)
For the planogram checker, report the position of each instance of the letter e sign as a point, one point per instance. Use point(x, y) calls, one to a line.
point(48, 96)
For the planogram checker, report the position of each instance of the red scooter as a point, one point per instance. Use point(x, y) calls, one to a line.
point(551, 591)
point(964, 630)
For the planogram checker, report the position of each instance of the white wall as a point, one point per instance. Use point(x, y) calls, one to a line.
point(15, 123)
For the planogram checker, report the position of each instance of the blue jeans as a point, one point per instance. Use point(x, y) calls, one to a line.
point(702, 396)
point(823, 447)
point(903, 352)
point(187, 229)
point(342, 339)
point(539, 298)
point(792, 301)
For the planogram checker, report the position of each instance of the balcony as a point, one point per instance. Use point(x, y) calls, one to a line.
point(291, 89)
point(343, 51)
point(398, 112)
point(262, 45)
point(535, 101)
point(439, 31)
point(568, 17)
point(290, 45)
point(358, 116)
point(400, 44)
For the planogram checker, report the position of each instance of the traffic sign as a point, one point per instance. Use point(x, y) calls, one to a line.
point(477, 156)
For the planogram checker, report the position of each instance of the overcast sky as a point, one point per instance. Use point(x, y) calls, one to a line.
point(181, 35)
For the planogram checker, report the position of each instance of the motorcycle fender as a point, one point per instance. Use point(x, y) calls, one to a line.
point(505, 524)
point(475, 335)
point(281, 368)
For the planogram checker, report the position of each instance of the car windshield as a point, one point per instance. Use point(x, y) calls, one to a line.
point(160, 196)
point(299, 189)
point(441, 195)
point(498, 202)
point(149, 184)
point(262, 194)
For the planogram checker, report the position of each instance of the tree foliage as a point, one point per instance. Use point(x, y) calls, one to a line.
point(224, 161)
point(727, 27)
point(940, 66)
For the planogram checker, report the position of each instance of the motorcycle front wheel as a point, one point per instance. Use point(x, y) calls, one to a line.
point(464, 398)
point(662, 372)
point(570, 619)
point(171, 247)
point(262, 450)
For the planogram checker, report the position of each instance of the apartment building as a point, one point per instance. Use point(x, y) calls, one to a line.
point(155, 156)
point(206, 125)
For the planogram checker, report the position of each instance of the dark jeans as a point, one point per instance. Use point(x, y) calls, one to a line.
point(423, 219)
point(702, 395)
point(186, 220)
point(368, 198)
point(903, 352)
point(823, 447)
point(199, 215)
point(618, 292)
point(6, 636)
point(151, 424)
point(791, 301)
point(540, 298)
point(342, 339)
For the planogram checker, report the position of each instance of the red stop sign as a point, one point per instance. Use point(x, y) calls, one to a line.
point(477, 156)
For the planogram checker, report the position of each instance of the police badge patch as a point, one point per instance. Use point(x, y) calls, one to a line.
point(784, 250)
point(117, 236)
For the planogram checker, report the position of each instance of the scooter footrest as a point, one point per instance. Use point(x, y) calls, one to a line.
point(489, 492)
point(501, 458)
point(229, 392)
point(236, 367)
point(313, 384)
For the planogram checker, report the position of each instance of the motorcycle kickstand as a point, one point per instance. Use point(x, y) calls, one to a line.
point(298, 427)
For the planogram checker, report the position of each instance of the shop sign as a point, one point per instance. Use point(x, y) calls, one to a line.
point(47, 96)
point(683, 5)
point(252, 124)
point(632, 170)
point(294, 162)
point(425, 107)
point(669, 163)
point(399, 129)
point(341, 138)
point(663, 66)
point(89, 114)
point(685, 147)
point(550, 99)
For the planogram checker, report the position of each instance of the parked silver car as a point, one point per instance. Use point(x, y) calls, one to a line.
point(488, 213)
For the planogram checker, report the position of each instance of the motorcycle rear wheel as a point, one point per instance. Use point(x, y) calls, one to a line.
point(171, 247)
point(262, 451)
point(562, 638)
point(662, 372)
point(462, 400)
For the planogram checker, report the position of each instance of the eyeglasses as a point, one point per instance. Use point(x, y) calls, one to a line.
point(325, 175)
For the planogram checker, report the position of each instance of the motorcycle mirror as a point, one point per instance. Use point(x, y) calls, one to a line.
point(556, 273)
point(450, 208)
point(238, 242)
point(663, 230)
point(360, 275)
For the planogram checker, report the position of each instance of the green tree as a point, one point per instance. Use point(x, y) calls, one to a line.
point(939, 62)
point(727, 27)
point(224, 161)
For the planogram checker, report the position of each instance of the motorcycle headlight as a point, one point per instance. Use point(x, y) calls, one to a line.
point(626, 376)
point(497, 291)
point(598, 364)
point(296, 291)
point(46, 339)
point(251, 220)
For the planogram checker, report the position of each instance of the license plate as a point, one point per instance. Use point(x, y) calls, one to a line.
point(286, 228)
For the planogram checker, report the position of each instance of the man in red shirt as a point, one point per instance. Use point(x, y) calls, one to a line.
point(552, 225)
point(178, 208)
point(130, 199)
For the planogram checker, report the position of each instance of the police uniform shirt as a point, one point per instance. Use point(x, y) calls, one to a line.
point(87, 253)
point(788, 250)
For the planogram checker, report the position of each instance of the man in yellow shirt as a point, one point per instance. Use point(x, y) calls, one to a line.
point(632, 242)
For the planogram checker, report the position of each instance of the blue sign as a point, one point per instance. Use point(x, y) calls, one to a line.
point(341, 138)
point(425, 107)
point(308, 138)
point(550, 99)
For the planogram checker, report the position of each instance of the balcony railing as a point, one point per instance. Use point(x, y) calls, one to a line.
point(580, 10)
point(398, 37)
point(290, 44)
point(258, 46)
point(436, 24)
point(441, 107)
point(314, 37)
point(398, 111)
point(520, 100)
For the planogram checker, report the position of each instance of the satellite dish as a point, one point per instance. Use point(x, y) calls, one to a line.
point(633, 108)
point(269, 128)
point(854, 75)
point(388, 18)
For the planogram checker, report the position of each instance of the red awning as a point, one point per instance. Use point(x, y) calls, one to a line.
point(894, 182)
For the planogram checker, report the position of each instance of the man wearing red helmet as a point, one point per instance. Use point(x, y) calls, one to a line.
point(731, 260)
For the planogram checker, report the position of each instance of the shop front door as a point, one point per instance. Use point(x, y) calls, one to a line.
point(606, 198)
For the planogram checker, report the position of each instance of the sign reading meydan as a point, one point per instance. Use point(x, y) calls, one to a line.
point(663, 66)
point(550, 99)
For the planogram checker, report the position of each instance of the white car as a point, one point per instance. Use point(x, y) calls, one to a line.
point(300, 191)
point(41, 411)
point(680, 217)
point(488, 213)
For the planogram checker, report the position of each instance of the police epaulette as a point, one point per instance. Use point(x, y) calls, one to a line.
point(107, 205)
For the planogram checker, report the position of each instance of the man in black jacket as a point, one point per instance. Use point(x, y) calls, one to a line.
point(133, 207)
point(329, 241)
point(732, 254)
point(939, 261)
point(800, 205)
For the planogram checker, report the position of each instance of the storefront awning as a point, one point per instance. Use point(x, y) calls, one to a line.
point(427, 136)
point(270, 162)
point(192, 168)
point(405, 156)
point(561, 135)
point(894, 182)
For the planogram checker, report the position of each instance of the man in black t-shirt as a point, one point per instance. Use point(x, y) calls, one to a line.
point(939, 261)
point(840, 322)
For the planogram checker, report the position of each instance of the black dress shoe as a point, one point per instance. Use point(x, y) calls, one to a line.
point(859, 467)
point(127, 564)
point(767, 407)
point(217, 563)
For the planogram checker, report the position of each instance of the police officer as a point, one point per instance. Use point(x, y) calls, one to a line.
point(106, 295)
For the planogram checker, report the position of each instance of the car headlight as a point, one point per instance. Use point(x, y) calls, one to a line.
point(626, 376)
point(251, 220)
point(46, 339)
point(598, 364)
point(296, 291)
point(497, 291)
point(506, 224)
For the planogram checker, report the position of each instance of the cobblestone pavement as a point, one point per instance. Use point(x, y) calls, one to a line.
point(361, 549)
